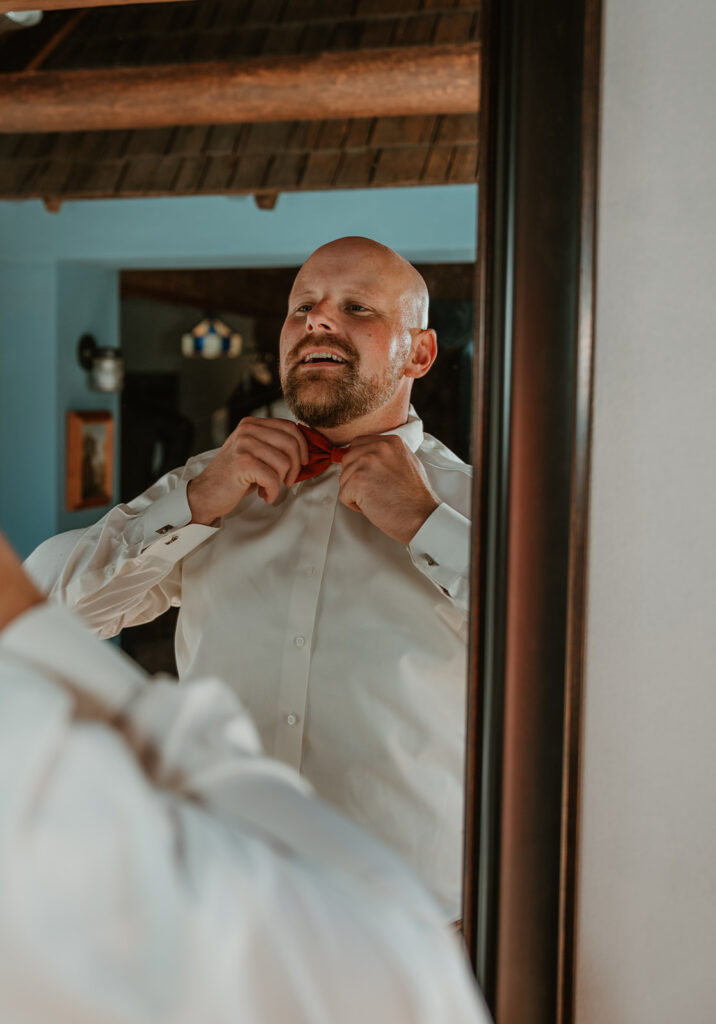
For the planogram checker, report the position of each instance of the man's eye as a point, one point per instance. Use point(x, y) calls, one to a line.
point(355, 307)
point(304, 307)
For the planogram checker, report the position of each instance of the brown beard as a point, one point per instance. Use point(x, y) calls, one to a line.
point(342, 400)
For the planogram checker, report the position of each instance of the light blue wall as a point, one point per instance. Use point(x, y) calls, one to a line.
point(44, 309)
point(436, 224)
point(59, 279)
point(28, 402)
point(87, 303)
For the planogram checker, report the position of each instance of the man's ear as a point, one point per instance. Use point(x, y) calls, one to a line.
point(423, 354)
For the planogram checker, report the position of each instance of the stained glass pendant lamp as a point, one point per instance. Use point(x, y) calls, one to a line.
point(211, 339)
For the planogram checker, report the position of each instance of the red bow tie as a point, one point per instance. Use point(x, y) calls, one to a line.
point(321, 454)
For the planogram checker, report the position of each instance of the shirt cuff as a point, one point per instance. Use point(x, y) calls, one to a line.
point(168, 530)
point(441, 548)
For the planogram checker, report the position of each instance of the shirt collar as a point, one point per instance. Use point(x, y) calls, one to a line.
point(411, 432)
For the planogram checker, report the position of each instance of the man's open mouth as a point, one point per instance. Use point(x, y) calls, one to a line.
point(321, 358)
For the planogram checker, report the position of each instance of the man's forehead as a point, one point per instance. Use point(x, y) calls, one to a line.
point(351, 278)
point(370, 269)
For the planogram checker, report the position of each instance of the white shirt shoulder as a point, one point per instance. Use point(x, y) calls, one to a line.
point(437, 454)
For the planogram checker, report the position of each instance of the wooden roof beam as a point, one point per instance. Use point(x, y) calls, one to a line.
point(64, 5)
point(406, 80)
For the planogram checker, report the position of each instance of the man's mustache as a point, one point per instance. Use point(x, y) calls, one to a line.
point(312, 341)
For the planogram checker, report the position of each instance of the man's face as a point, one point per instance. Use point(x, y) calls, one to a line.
point(347, 336)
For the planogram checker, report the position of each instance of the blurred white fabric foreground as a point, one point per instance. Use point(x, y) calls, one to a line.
point(156, 867)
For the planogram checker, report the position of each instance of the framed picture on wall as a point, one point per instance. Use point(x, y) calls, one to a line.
point(90, 459)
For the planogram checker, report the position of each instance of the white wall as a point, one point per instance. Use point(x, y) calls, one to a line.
point(647, 923)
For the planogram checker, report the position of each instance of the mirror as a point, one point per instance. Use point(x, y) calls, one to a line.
point(540, 93)
point(396, 760)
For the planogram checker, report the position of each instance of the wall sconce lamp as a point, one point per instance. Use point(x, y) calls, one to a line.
point(104, 365)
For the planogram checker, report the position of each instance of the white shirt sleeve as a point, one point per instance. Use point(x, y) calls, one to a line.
point(124, 900)
point(126, 569)
point(441, 551)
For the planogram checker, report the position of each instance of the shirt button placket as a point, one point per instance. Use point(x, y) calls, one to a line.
point(301, 622)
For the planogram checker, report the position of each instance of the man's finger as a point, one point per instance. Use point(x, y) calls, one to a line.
point(266, 479)
point(276, 435)
point(284, 463)
point(356, 485)
point(286, 428)
point(349, 502)
point(364, 454)
point(257, 440)
point(349, 497)
point(346, 479)
point(375, 444)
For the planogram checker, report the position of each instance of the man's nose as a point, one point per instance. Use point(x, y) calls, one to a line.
point(320, 318)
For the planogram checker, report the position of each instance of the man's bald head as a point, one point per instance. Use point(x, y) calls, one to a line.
point(379, 259)
point(355, 338)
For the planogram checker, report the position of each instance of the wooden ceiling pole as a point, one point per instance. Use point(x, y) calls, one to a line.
point(400, 81)
point(65, 5)
point(69, 25)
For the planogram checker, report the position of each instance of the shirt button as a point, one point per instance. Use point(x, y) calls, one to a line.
point(310, 570)
point(299, 641)
point(292, 719)
point(327, 500)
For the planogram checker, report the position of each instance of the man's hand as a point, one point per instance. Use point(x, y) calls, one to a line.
point(385, 481)
point(260, 453)
point(17, 591)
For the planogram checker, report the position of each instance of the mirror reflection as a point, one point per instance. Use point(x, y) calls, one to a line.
point(322, 573)
point(334, 604)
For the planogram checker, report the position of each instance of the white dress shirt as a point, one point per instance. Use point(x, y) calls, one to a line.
point(206, 885)
point(346, 647)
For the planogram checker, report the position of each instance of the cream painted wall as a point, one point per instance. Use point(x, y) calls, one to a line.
point(647, 920)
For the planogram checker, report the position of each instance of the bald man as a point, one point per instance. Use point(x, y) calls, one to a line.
point(321, 565)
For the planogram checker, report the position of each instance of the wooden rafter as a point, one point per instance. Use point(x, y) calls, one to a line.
point(64, 5)
point(67, 27)
point(400, 81)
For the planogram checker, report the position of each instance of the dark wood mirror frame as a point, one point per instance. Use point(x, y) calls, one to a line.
point(533, 393)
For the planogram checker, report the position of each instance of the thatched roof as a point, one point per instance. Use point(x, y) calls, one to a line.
point(236, 158)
